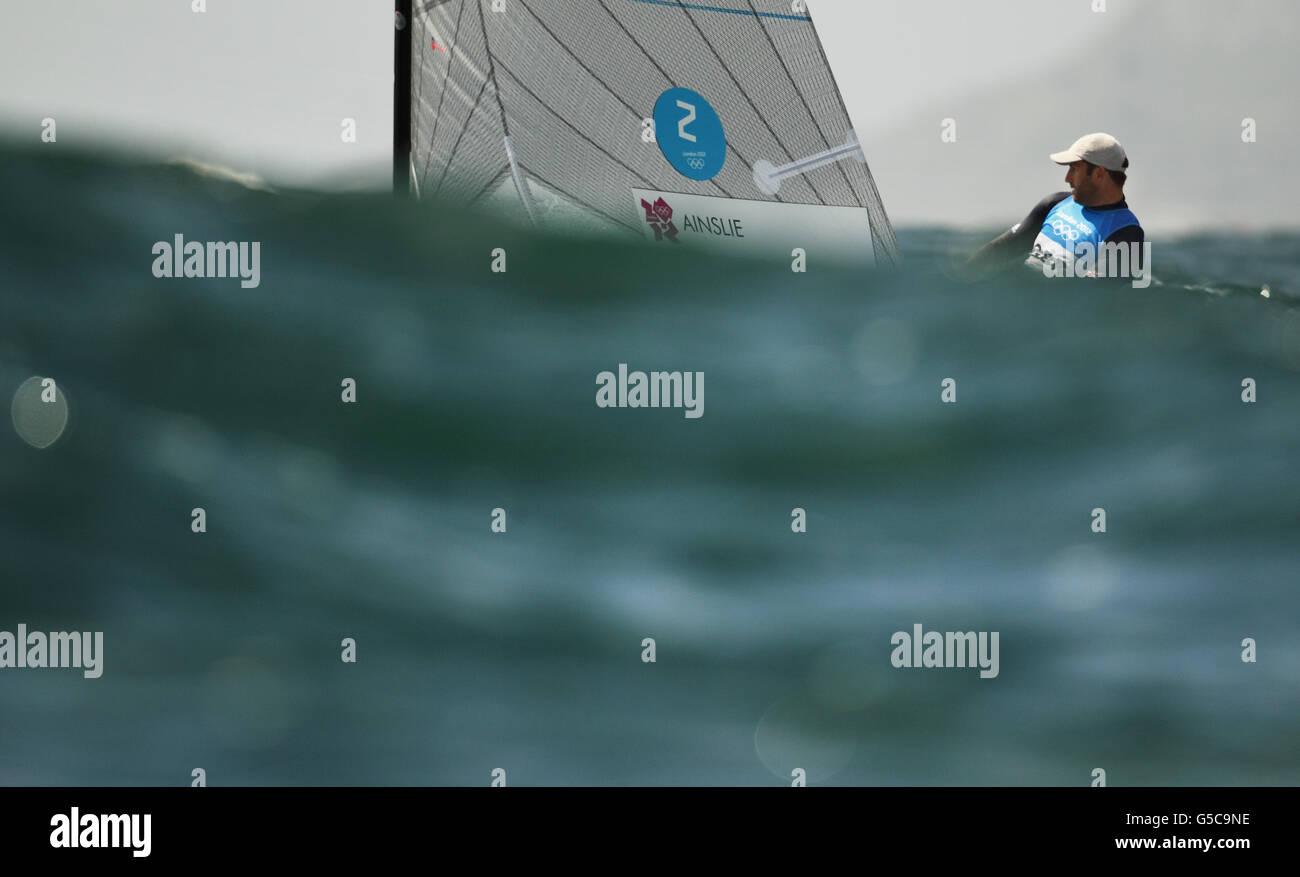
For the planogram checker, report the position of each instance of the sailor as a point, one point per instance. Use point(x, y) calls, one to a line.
point(1060, 227)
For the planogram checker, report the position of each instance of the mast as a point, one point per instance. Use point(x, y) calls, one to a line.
point(402, 98)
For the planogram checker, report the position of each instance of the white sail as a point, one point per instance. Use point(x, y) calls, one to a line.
point(716, 119)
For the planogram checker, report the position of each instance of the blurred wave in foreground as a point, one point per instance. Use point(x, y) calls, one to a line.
point(522, 650)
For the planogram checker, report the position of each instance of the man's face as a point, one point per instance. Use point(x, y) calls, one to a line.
point(1082, 186)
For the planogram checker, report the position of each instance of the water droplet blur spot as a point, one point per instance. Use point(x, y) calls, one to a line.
point(37, 422)
point(798, 732)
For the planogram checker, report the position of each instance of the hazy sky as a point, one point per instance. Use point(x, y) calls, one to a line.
point(261, 86)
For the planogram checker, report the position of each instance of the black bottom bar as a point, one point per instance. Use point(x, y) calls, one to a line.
point(336, 826)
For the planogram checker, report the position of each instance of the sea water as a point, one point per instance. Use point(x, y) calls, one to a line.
point(500, 549)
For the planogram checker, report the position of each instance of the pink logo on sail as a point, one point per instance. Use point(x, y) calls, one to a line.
point(660, 217)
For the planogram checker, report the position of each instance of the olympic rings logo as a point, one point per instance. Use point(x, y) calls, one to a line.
point(695, 163)
point(1064, 231)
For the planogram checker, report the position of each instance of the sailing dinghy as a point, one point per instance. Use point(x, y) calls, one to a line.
point(691, 123)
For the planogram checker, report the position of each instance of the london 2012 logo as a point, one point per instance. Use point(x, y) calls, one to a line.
point(660, 217)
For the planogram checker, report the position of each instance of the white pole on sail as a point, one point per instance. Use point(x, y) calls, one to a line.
point(768, 177)
point(521, 183)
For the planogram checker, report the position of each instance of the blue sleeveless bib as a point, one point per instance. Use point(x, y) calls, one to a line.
point(1069, 225)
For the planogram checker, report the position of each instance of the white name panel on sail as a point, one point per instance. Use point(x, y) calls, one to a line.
point(753, 228)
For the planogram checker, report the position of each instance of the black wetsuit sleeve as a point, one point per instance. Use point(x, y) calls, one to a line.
point(1129, 234)
point(1016, 241)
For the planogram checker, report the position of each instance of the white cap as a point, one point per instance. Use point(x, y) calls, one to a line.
point(1102, 150)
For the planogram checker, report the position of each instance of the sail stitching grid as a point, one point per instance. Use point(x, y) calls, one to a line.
point(489, 78)
point(633, 171)
point(451, 57)
point(491, 75)
point(671, 82)
point(419, 94)
point(468, 119)
point(886, 242)
point(636, 42)
point(803, 100)
point(875, 206)
point(452, 85)
point(495, 181)
point(703, 8)
point(615, 94)
point(731, 147)
point(748, 99)
point(492, 71)
point(419, 99)
point(575, 57)
point(576, 199)
point(635, 115)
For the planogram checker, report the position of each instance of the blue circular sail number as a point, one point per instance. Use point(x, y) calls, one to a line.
point(690, 134)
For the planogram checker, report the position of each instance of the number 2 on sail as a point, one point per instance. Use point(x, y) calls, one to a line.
point(690, 117)
point(700, 147)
